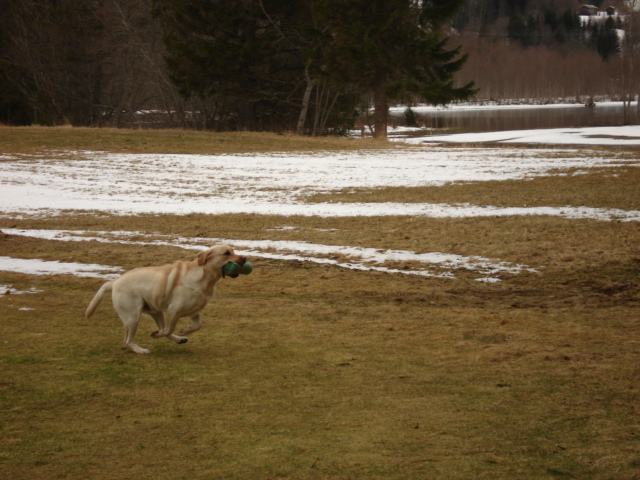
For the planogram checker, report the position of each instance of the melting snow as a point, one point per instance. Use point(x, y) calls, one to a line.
point(9, 290)
point(619, 136)
point(282, 184)
point(433, 264)
point(41, 267)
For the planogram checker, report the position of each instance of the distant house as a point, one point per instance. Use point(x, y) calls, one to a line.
point(588, 10)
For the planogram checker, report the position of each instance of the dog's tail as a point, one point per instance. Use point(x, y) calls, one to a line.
point(107, 287)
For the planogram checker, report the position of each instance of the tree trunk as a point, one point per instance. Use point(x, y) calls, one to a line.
point(381, 113)
point(246, 116)
point(305, 102)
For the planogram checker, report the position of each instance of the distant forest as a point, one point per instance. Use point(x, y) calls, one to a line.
point(541, 50)
point(262, 64)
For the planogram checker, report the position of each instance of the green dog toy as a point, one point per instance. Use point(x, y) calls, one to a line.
point(233, 269)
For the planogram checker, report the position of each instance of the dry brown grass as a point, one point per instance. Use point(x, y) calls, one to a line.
point(603, 188)
point(305, 371)
point(38, 139)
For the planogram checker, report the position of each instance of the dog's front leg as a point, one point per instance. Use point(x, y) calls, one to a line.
point(167, 328)
point(196, 324)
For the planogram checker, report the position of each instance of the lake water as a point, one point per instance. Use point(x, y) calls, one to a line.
point(499, 118)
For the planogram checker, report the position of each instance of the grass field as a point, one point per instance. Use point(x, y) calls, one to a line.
point(309, 371)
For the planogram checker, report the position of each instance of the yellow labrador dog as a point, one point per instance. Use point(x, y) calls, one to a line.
point(178, 290)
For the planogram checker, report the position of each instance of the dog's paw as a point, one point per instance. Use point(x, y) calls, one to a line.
point(178, 340)
point(136, 349)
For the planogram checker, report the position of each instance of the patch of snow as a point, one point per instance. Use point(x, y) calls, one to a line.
point(9, 290)
point(622, 136)
point(34, 266)
point(488, 280)
point(434, 264)
point(282, 183)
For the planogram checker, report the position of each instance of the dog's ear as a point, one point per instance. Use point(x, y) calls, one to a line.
point(203, 257)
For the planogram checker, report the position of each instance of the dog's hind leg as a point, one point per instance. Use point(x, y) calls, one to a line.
point(196, 324)
point(159, 318)
point(130, 321)
point(129, 310)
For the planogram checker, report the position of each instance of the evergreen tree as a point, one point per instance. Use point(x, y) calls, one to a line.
point(390, 48)
point(239, 53)
point(607, 40)
point(264, 58)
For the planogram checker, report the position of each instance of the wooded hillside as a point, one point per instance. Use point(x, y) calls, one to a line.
point(310, 66)
point(543, 50)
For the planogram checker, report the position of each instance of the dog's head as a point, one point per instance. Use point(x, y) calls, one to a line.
point(218, 256)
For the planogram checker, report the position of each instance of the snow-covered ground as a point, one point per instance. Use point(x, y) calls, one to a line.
point(522, 104)
point(281, 184)
point(601, 136)
point(34, 266)
point(433, 264)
